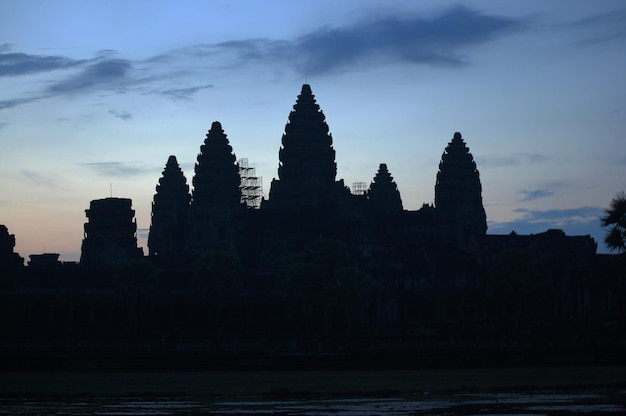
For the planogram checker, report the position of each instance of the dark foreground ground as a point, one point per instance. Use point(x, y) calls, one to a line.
point(592, 390)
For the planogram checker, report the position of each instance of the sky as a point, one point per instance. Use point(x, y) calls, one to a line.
point(94, 97)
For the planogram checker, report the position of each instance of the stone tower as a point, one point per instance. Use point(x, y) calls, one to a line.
point(307, 168)
point(383, 194)
point(170, 208)
point(458, 193)
point(110, 233)
point(216, 201)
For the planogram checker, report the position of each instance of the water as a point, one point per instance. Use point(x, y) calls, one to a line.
point(540, 402)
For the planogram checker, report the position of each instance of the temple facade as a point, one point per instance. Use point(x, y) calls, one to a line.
point(306, 203)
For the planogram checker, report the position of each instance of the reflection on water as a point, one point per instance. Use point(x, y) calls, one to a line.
point(597, 402)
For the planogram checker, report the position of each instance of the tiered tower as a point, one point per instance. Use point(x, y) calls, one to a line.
point(169, 213)
point(111, 233)
point(383, 194)
point(307, 169)
point(216, 202)
point(458, 192)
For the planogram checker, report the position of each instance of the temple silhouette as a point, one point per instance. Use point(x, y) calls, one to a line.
point(316, 268)
point(306, 203)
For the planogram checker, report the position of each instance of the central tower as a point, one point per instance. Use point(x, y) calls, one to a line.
point(307, 168)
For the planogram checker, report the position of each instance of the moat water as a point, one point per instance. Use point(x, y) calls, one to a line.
point(529, 402)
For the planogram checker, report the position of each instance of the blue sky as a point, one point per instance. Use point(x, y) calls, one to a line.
point(96, 95)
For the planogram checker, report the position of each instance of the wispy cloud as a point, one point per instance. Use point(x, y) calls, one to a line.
point(182, 93)
point(437, 40)
point(14, 102)
point(552, 218)
point(514, 160)
point(574, 221)
point(187, 167)
point(118, 169)
point(602, 27)
point(40, 179)
point(17, 63)
point(105, 73)
point(535, 194)
point(122, 115)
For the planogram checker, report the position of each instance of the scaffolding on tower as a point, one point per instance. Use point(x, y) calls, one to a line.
point(359, 188)
point(251, 185)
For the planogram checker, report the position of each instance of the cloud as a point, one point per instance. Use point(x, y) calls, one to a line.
point(3, 124)
point(101, 73)
point(122, 115)
point(534, 195)
point(514, 160)
point(105, 73)
point(182, 93)
point(118, 169)
point(537, 220)
point(436, 40)
point(188, 167)
point(14, 102)
point(17, 63)
point(574, 221)
point(439, 40)
point(40, 179)
point(602, 27)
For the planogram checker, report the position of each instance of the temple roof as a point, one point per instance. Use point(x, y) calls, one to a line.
point(216, 173)
point(307, 168)
point(458, 191)
point(383, 193)
point(173, 183)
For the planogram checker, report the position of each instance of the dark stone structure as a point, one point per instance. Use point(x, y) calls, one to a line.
point(111, 233)
point(170, 210)
point(8, 259)
point(216, 202)
point(44, 261)
point(383, 194)
point(306, 174)
point(458, 192)
point(316, 271)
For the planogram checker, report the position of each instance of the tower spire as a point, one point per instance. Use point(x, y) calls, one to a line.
point(307, 168)
point(458, 192)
